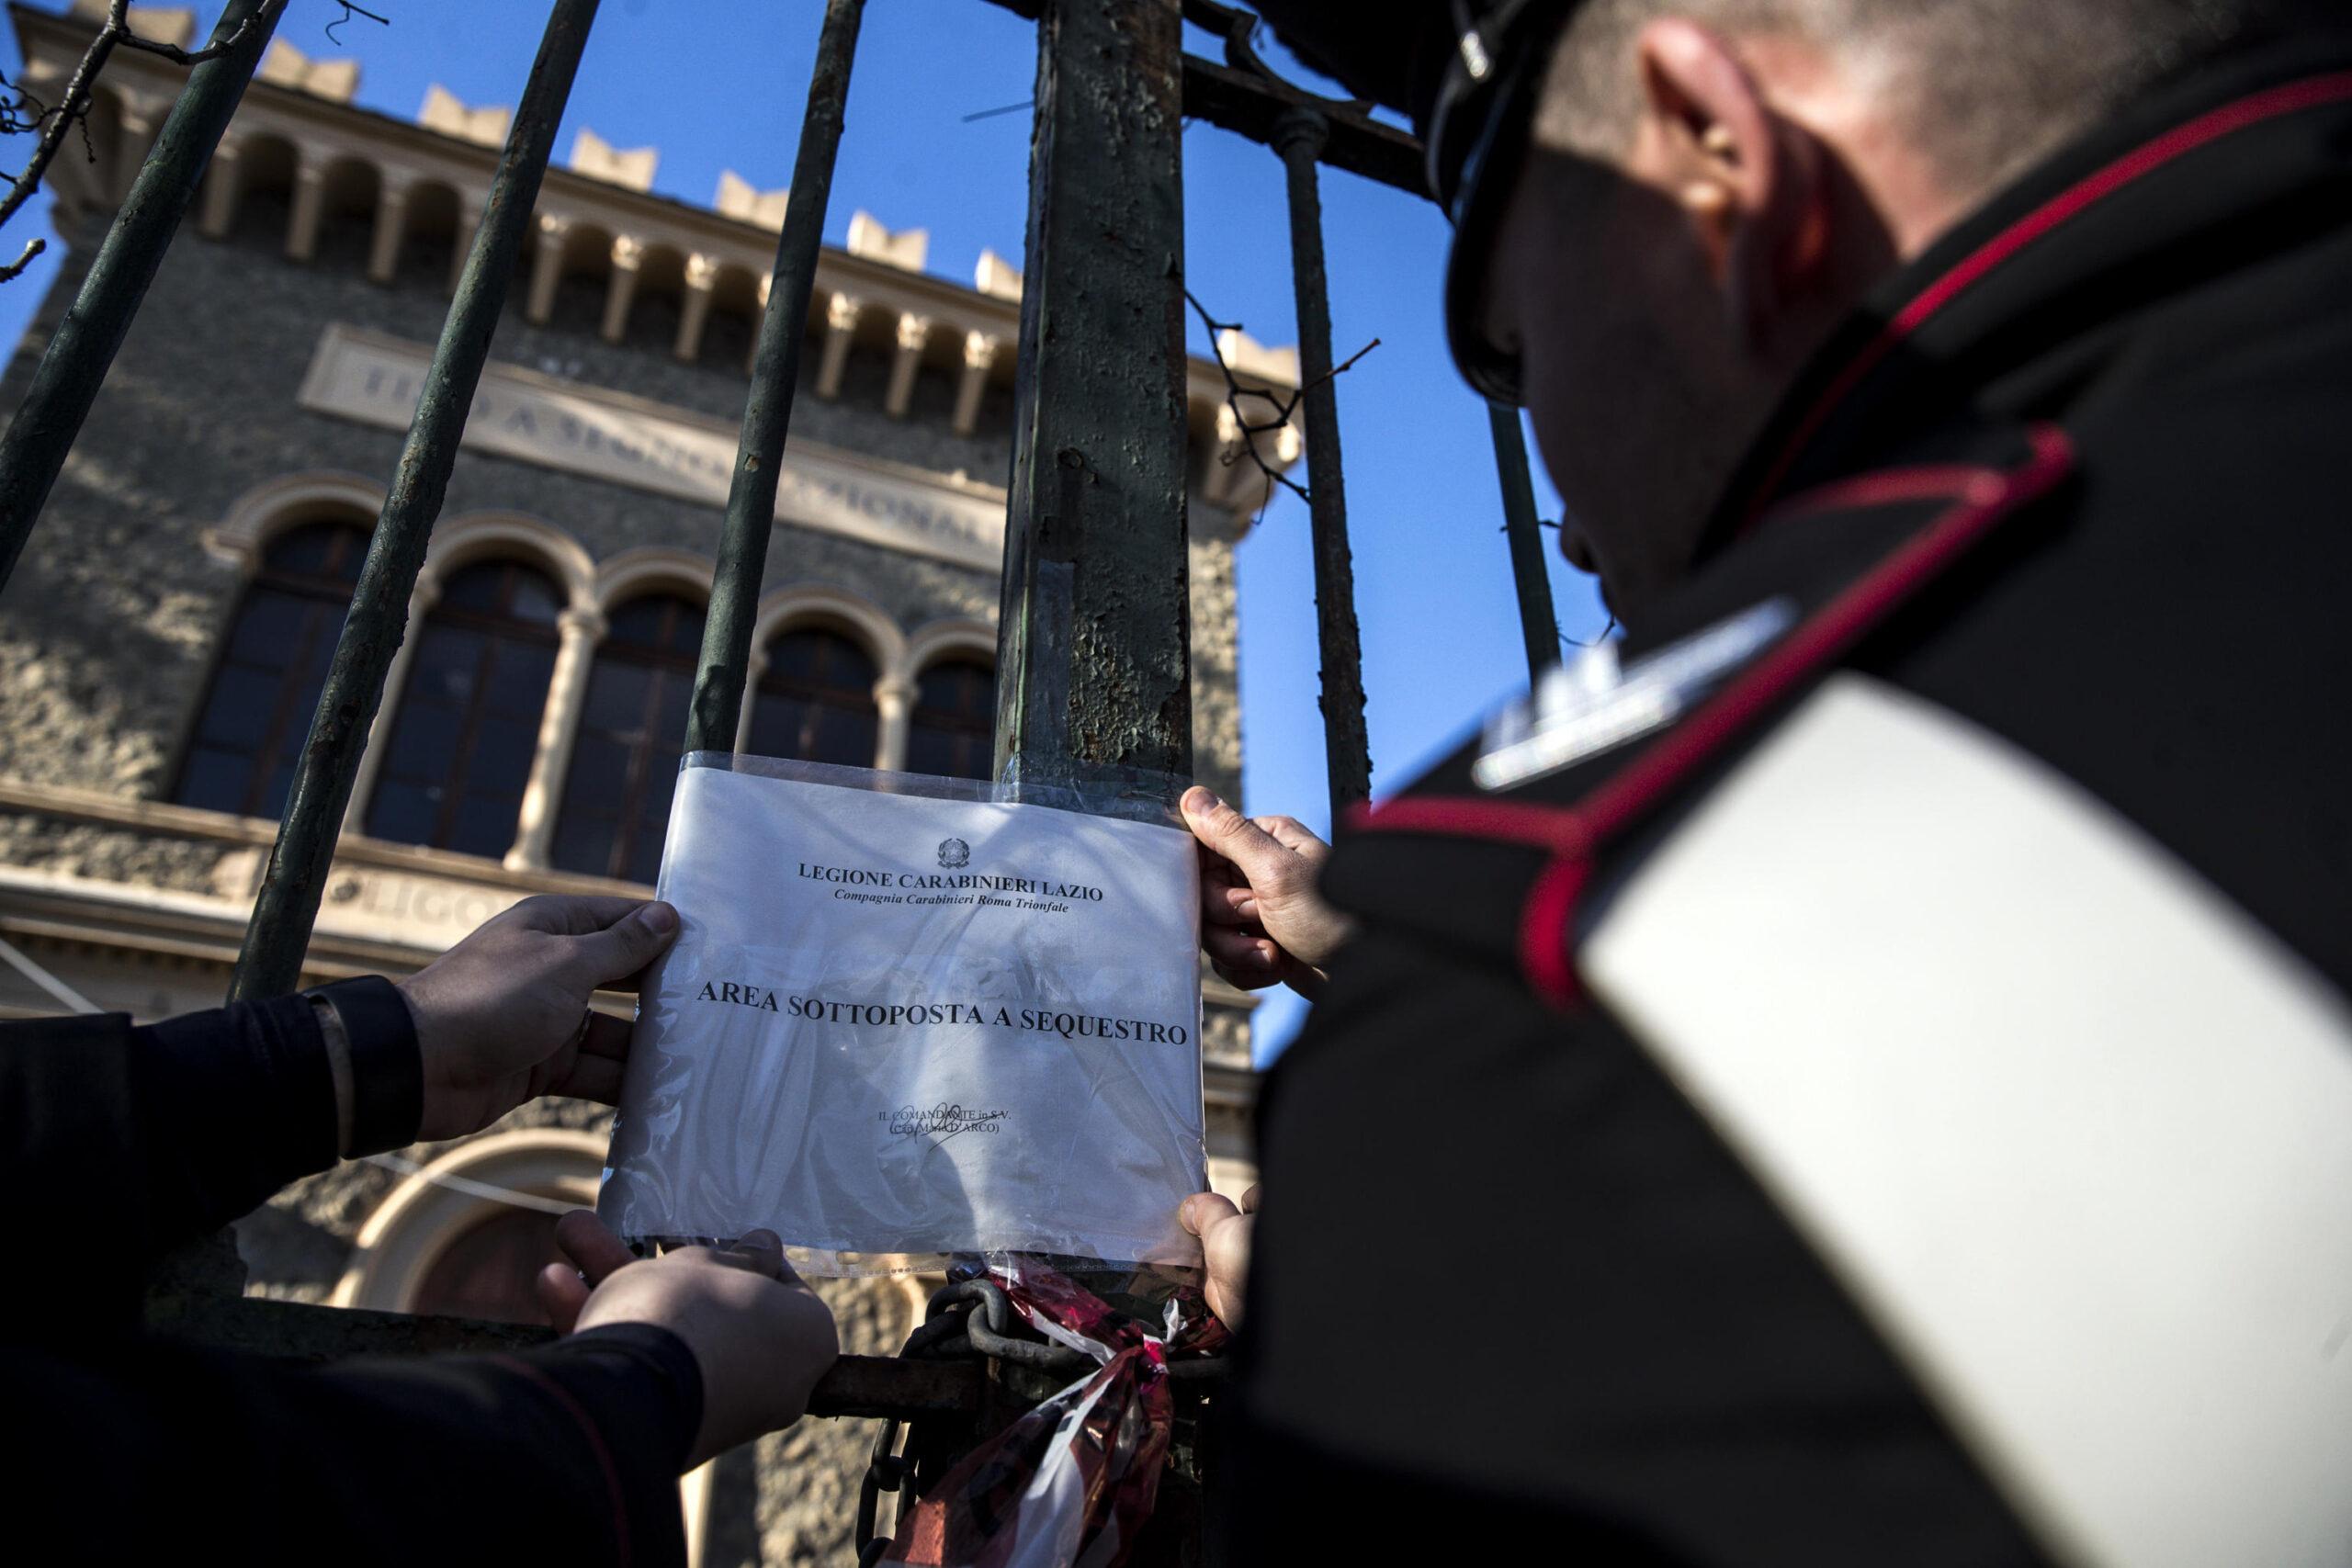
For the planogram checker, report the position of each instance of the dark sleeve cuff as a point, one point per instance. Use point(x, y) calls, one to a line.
point(387, 1065)
point(235, 1103)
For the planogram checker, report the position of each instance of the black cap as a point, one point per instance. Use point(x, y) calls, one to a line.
point(1391, 51)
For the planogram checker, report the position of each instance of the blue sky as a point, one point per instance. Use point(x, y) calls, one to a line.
point(719, 84)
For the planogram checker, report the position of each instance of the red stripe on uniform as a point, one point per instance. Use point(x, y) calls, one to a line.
point(1453, 817)
point(2310, 93)
point(1572, 834)
point(1543, 956)
point(1892, 487)
point(1823, 636)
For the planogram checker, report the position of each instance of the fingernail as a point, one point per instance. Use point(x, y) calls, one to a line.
point(1200, 801)
point(659, 917)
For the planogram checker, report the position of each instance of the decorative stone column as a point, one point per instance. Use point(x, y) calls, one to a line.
point(461, 242)
point(223, 183)
point(841, 321)
point(142, 119)
point(546, 270)
point(391, 228)
point(894, 700)
point(620, 290)
point(751, 352)
point(694, 313)
point(981, 350)
point(914, 333)
point(558, 726)
point(421, 601)
point(310, 201)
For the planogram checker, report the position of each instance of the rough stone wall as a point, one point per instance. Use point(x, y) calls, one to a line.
point(101, 854)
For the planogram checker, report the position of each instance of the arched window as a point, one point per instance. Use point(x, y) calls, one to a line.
point(632, 727)
point(815, 700)
point(953, 729)
point(249, 737)
point(468, 723)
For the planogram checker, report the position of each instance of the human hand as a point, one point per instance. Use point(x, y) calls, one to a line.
point(760, 1335)
point(504, 1015)
point(1225, 1231)
point(1265, 925)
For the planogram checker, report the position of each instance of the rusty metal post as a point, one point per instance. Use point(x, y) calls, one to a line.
point(1094, 638)
point(767, 413)
point(271, 961)
point(1299, 136)
point(1536, 621)
point(81, 350)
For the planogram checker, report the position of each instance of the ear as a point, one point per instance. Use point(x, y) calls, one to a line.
point(1746, 178)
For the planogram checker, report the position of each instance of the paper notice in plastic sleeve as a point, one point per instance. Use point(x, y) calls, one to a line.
point(894, 1024)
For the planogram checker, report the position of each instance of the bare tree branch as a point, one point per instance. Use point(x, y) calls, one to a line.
point(350, 10)
point(22, 114)
point(118, 18)
point(53, 122)
point(32, 248)
point(1283, 408)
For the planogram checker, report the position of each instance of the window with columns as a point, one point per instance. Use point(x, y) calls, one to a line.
point(460, 753)
point(815, 700)
point(249, 735)
point(632, 727)
point(952, 732)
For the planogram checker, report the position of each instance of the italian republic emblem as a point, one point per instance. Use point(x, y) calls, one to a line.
point(954, 854)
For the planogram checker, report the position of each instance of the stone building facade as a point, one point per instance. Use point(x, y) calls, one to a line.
point(161, 639)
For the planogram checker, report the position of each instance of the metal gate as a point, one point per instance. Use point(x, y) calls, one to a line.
point(1093, 657)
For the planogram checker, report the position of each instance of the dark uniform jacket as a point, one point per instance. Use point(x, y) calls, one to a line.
point(1793, 1137)
point(120, 1143)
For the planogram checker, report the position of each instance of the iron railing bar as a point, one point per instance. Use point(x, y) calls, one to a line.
point(1347, 751)
point(1233, 99)
point(1529, 575)
point(1225, 96)
point(82, 351)
point(271, 961)
point(1094, 633)
point(307, 1331)
point(723, 668)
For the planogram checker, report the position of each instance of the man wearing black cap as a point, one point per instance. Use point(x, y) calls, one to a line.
point(1858, 1074)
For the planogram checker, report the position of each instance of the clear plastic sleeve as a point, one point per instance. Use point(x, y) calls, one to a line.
point(908, 1018)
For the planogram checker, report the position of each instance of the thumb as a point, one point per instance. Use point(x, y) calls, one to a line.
point(761, 1252)
point(1226, 832)
point(625, 946)
point(1203, 1210)
point(592, 1245)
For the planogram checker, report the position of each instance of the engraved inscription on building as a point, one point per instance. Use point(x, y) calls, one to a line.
point(376, 379)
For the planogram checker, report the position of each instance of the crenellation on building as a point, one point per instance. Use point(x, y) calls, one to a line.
point(485, 125)
point(288, 139)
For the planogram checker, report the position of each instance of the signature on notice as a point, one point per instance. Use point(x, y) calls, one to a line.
point(941, 1122)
